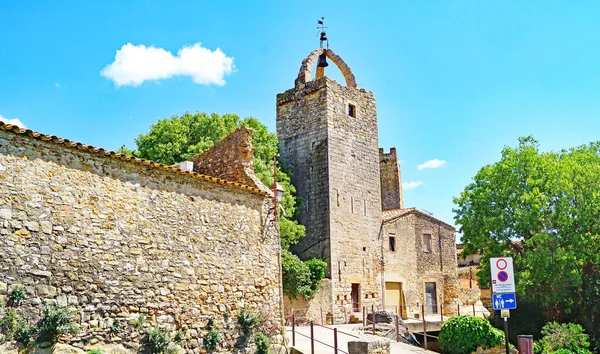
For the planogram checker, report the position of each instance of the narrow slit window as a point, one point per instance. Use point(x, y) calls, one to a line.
point(427, 243)
point(352, 110)
point(393, 243)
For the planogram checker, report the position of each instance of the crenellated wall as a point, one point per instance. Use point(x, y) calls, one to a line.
point(117, 238)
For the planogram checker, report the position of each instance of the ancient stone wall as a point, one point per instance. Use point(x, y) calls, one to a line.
point(303, 145)
point(230, 159)
point(354, 196)
point(391, 180)
point(116, 239)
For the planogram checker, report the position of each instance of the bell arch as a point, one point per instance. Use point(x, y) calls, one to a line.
point(307, 67)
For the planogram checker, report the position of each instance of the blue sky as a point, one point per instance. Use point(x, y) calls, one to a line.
point(454, 80)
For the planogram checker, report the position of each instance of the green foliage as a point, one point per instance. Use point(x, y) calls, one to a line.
point(158, 340)
point(56, 321)
point(116, 326)
point(541, 208)
point(25, 333)
point(463, 334)
point(211, 339)
point(537, 348)
point(301, 278)
point(263, 343)
point(9, 323)
point(94, 351)
point(248, 320)
point(567, 337)
point(16, 296)
point(139, 322)
point(178, 337)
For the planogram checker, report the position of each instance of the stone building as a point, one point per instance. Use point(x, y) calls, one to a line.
point(353, 206)
point(117, 237)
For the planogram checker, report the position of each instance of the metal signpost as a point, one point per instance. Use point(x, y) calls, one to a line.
point(503, 290)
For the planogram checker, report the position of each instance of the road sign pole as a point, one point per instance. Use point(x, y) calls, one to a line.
point(506, 334)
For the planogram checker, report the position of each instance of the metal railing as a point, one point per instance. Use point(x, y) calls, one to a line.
point(312, 338)
point(423, 313)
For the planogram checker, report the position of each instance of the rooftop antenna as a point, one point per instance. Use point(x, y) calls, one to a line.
point(322, 63)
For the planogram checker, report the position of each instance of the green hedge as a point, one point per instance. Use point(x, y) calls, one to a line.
point(463, 334)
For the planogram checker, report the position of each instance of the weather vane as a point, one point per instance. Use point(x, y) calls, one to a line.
point(321, 27)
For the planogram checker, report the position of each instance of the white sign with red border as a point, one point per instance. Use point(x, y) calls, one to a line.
point(503, 279)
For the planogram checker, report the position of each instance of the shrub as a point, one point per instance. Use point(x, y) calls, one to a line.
point(263, 344)
point(116, 326)
point(212, 339)
point(139, 322)
point(94, 351)
point(463, 334)
point(248, 320)
point(25, 333)
point(566, 337)
point(16, 296)
point(158, 340)
point(301, 278)
point(9, 324)
point(537, 348)
point(56, 321)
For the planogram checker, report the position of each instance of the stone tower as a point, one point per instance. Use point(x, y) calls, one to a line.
point(391, 180)
point(328, 139)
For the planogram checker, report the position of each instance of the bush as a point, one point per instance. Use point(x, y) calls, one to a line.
point(116, 326)
point(94, 351)
point(16, 296)
point(139, 322)
point(158, 340)
point(248, 320)
point(263, 344)
point(212, 339)
point(463, 334)
point(564, 337)
point(56, 321)
point(9, 324)
point(25, 333)
point(301, 278)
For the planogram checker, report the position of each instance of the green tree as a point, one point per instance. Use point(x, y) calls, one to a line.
point(543, 209)
point(178, 138)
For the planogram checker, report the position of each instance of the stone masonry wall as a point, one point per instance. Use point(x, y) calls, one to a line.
point(116, 239)
point(391, 180)
point(231, 164)
point(413, 266)
point(304, 148)
point(354, 196)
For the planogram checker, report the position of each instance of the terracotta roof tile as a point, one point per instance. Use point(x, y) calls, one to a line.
point(114, 155)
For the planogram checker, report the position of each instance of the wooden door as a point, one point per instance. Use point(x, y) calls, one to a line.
point(354, 294)
point(393, 297)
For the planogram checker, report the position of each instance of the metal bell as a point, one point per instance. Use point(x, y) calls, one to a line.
point(322, 63)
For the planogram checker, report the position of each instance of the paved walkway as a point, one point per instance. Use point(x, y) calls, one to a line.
point(346, 333)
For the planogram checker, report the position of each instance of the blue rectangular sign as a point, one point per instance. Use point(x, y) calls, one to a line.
point(504, 301)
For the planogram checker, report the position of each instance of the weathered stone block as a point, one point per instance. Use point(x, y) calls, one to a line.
point(369, 346)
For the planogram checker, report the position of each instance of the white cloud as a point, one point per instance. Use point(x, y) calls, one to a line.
point(435, 163)
point(412, 184)
point(14, 121)
point(135, 64)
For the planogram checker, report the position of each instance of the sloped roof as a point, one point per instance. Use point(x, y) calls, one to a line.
point(73, 145)
point(389, 216)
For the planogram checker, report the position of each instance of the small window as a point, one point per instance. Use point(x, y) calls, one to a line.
point(392, 243)
point(427, 242)
point(352, 110)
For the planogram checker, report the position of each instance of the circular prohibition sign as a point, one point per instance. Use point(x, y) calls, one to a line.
point(502, 276)
point(501, 264)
